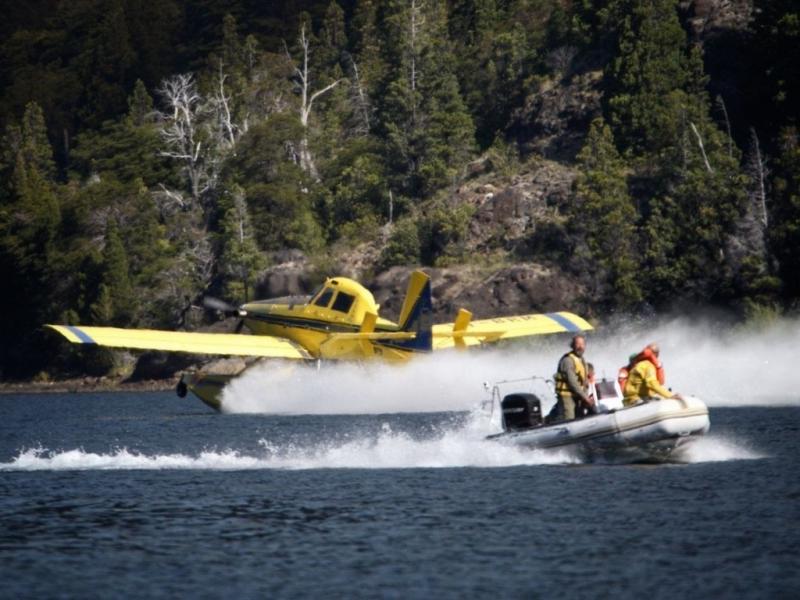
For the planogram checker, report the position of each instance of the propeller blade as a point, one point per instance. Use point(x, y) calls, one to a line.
point(212, 303)
point(239, 326)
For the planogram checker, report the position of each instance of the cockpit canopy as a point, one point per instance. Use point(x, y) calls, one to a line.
point(346, 297)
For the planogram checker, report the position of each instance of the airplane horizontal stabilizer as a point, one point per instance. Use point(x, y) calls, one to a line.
point(448, 335)
point(182, 341)
point(375, 335)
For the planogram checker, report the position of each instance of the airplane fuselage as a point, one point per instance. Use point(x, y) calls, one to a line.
point(317, 323)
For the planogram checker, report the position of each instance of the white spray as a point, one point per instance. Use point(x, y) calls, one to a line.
point(723, 367)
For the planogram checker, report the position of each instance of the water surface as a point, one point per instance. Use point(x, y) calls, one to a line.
point(148, 495)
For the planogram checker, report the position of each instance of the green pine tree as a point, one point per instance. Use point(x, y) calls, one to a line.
point(648, 76)
point(428, 130)
point(106, 63)
point(689, 183)
point(116, 276)
point(367, 46)
point(605, 218)
point(140, 105)
point(30, 220)
point(240, 260)
point(333, 38)
point(127, 149)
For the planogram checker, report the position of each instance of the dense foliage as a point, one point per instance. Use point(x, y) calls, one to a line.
point(155, 152)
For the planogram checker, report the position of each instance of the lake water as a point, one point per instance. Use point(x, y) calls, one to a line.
point(149, 495)
point(384, 487)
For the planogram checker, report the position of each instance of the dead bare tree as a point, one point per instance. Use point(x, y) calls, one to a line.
point(361, 99)
point(721, 104)
point(229, 131)
point(182, 130)
point(197, 132)
point(169, 201)
point(756, 169)
point(749, 241)
point(307, 103)
point(416, 21)
point(702, 147)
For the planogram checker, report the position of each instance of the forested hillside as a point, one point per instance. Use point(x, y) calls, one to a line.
point(644, 151)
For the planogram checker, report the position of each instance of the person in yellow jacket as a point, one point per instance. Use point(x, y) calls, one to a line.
point(572, 382)
point(643, 379)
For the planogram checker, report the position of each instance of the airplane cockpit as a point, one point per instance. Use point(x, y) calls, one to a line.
point(344, 298)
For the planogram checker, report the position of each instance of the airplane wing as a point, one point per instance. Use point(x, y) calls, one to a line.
point(183, 341)
point(465, 332)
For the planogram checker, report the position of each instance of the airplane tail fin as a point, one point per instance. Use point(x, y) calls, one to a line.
point(417, 313)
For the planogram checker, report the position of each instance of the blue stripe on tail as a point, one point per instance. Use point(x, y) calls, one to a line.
point(420, 321)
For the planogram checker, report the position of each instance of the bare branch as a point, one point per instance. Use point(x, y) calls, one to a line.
point(180, 128)
point(169, 201)
point(222, 102)
point(317, 94)
point(360, 98)
point(306, 102)
point(721, 102)
point(757, 169)
point(702, 148)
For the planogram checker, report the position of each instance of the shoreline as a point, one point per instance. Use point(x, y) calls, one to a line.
point(87, 384)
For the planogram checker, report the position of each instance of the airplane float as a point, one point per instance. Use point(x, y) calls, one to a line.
point(338, 322)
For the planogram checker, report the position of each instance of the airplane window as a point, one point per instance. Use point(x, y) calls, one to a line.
point(343, 302)
point(316, 291)
point(324, 299)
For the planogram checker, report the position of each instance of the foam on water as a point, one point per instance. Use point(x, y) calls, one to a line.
point(722, 366)
point(462, 447)
point(712, 448)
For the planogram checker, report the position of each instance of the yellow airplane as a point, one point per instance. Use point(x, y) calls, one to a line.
point(338, 322)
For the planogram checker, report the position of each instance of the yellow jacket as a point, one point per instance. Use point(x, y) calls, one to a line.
point(571, 377)
point(643, 383)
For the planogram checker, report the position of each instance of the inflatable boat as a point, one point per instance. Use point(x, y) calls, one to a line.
point(649, 431)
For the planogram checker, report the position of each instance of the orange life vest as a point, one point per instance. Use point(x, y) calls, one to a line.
point(646, 354)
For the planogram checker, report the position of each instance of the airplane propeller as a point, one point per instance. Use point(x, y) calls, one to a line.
point(228, 310)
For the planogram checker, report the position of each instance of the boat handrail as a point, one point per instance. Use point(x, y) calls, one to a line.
point(494, 389)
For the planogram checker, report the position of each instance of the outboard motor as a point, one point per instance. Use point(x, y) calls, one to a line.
point(521, 411)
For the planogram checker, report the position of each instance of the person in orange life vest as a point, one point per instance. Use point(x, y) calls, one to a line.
point(645, 378)
point(572, 381)
point(633, 359)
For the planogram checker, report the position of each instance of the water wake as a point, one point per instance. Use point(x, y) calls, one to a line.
point(718, 449)
point(389, 451)
point(462, 446)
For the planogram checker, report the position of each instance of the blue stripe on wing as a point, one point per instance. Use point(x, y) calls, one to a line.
point(564, 322)
point(82, 336)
